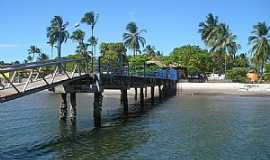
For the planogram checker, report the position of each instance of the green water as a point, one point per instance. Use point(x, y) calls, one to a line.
point(183, 127)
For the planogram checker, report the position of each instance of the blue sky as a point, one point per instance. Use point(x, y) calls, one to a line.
point(169, 24)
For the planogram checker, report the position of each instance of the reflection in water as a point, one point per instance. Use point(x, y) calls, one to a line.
point(185, 127)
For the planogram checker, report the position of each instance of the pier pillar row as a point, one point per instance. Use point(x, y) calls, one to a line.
point(159, 93)
point(136, 94)
point(125, 101)
point(152, 95)
point(73, 104)
point(63, 107)
point(141, 99)
point(97, 109)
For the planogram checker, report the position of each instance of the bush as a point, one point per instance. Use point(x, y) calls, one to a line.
point(238, 74)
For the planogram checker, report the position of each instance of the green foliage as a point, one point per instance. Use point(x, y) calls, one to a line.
point(191, 57)
point(113, 54)
point(266, 72)
point(237, 74)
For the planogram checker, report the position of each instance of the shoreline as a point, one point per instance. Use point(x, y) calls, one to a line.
point(227, 89)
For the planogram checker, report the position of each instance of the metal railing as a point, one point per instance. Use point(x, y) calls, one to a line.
point(23, 77)
point(136, 70)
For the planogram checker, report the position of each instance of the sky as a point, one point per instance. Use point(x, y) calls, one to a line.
point(169, 23)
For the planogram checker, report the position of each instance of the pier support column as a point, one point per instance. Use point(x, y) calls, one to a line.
point(121, 97)
point(136, 94)
point(145, 93)
point(141, 99)
point(63, 107)
point(73, 103)
point(159, 93)
point(125, 101)
point(97, 109)
point(152, 95)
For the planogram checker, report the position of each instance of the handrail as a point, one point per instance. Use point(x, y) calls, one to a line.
point(17, 67)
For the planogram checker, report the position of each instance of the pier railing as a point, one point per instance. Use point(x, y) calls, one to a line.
point(23, 77)
point(134, 69)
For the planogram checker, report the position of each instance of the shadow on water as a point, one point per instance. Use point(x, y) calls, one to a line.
point(117, 134)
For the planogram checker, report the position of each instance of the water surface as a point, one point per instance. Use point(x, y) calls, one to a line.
point(183, 127)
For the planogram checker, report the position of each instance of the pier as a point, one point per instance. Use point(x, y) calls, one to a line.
point(69, 77)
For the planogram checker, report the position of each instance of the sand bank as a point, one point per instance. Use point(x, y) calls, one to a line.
point(224, 89)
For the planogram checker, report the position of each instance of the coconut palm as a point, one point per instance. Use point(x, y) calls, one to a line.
point(224, 41)
point(93, 42)
point(42, 57)
point(133, 39)
point(51, 42)
point(260, 44)
point(91, 18)
point(208, 28)
point(78, 36)
point(57, 32)
point(32, 51)
point(150, 50)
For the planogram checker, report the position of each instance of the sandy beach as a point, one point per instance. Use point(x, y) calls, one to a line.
point(224, 89)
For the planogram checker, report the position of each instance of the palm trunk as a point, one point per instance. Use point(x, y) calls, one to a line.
point(134, 53)
point(51, 52)
point(92, 58)
point(59, 49)
point(225, 68)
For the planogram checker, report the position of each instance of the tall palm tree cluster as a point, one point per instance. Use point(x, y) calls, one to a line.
point(57, 34)
point(260, 45)
point(218, 37)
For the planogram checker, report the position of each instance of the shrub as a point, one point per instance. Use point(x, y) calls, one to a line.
point(238, 74)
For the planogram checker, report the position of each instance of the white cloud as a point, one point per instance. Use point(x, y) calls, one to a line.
point(3, 45)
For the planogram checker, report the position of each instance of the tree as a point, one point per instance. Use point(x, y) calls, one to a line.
point(260, 44)
point(51, 42)
point(224, 41)
point(57, 32)
point(93, 42)
point(32, 51)
point(42, 57)
point(150, 50)
point(208, 28)
point(91, 18)
point(133, 38)
point(78, 36)
point(219, 38)
point(193, 58)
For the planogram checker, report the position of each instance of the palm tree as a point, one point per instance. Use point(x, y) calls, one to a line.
point(32, 51)
point(133, 39)
point(51, 42)
point(208, 28)
point(91, 18)
point(78, 36)
point(260, 44)
point(42, 57)
point(57, 32)
point(224, 41)
point(149, 50)
point(93, 42)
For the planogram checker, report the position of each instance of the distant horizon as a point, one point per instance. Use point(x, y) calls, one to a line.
point(169, 25)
